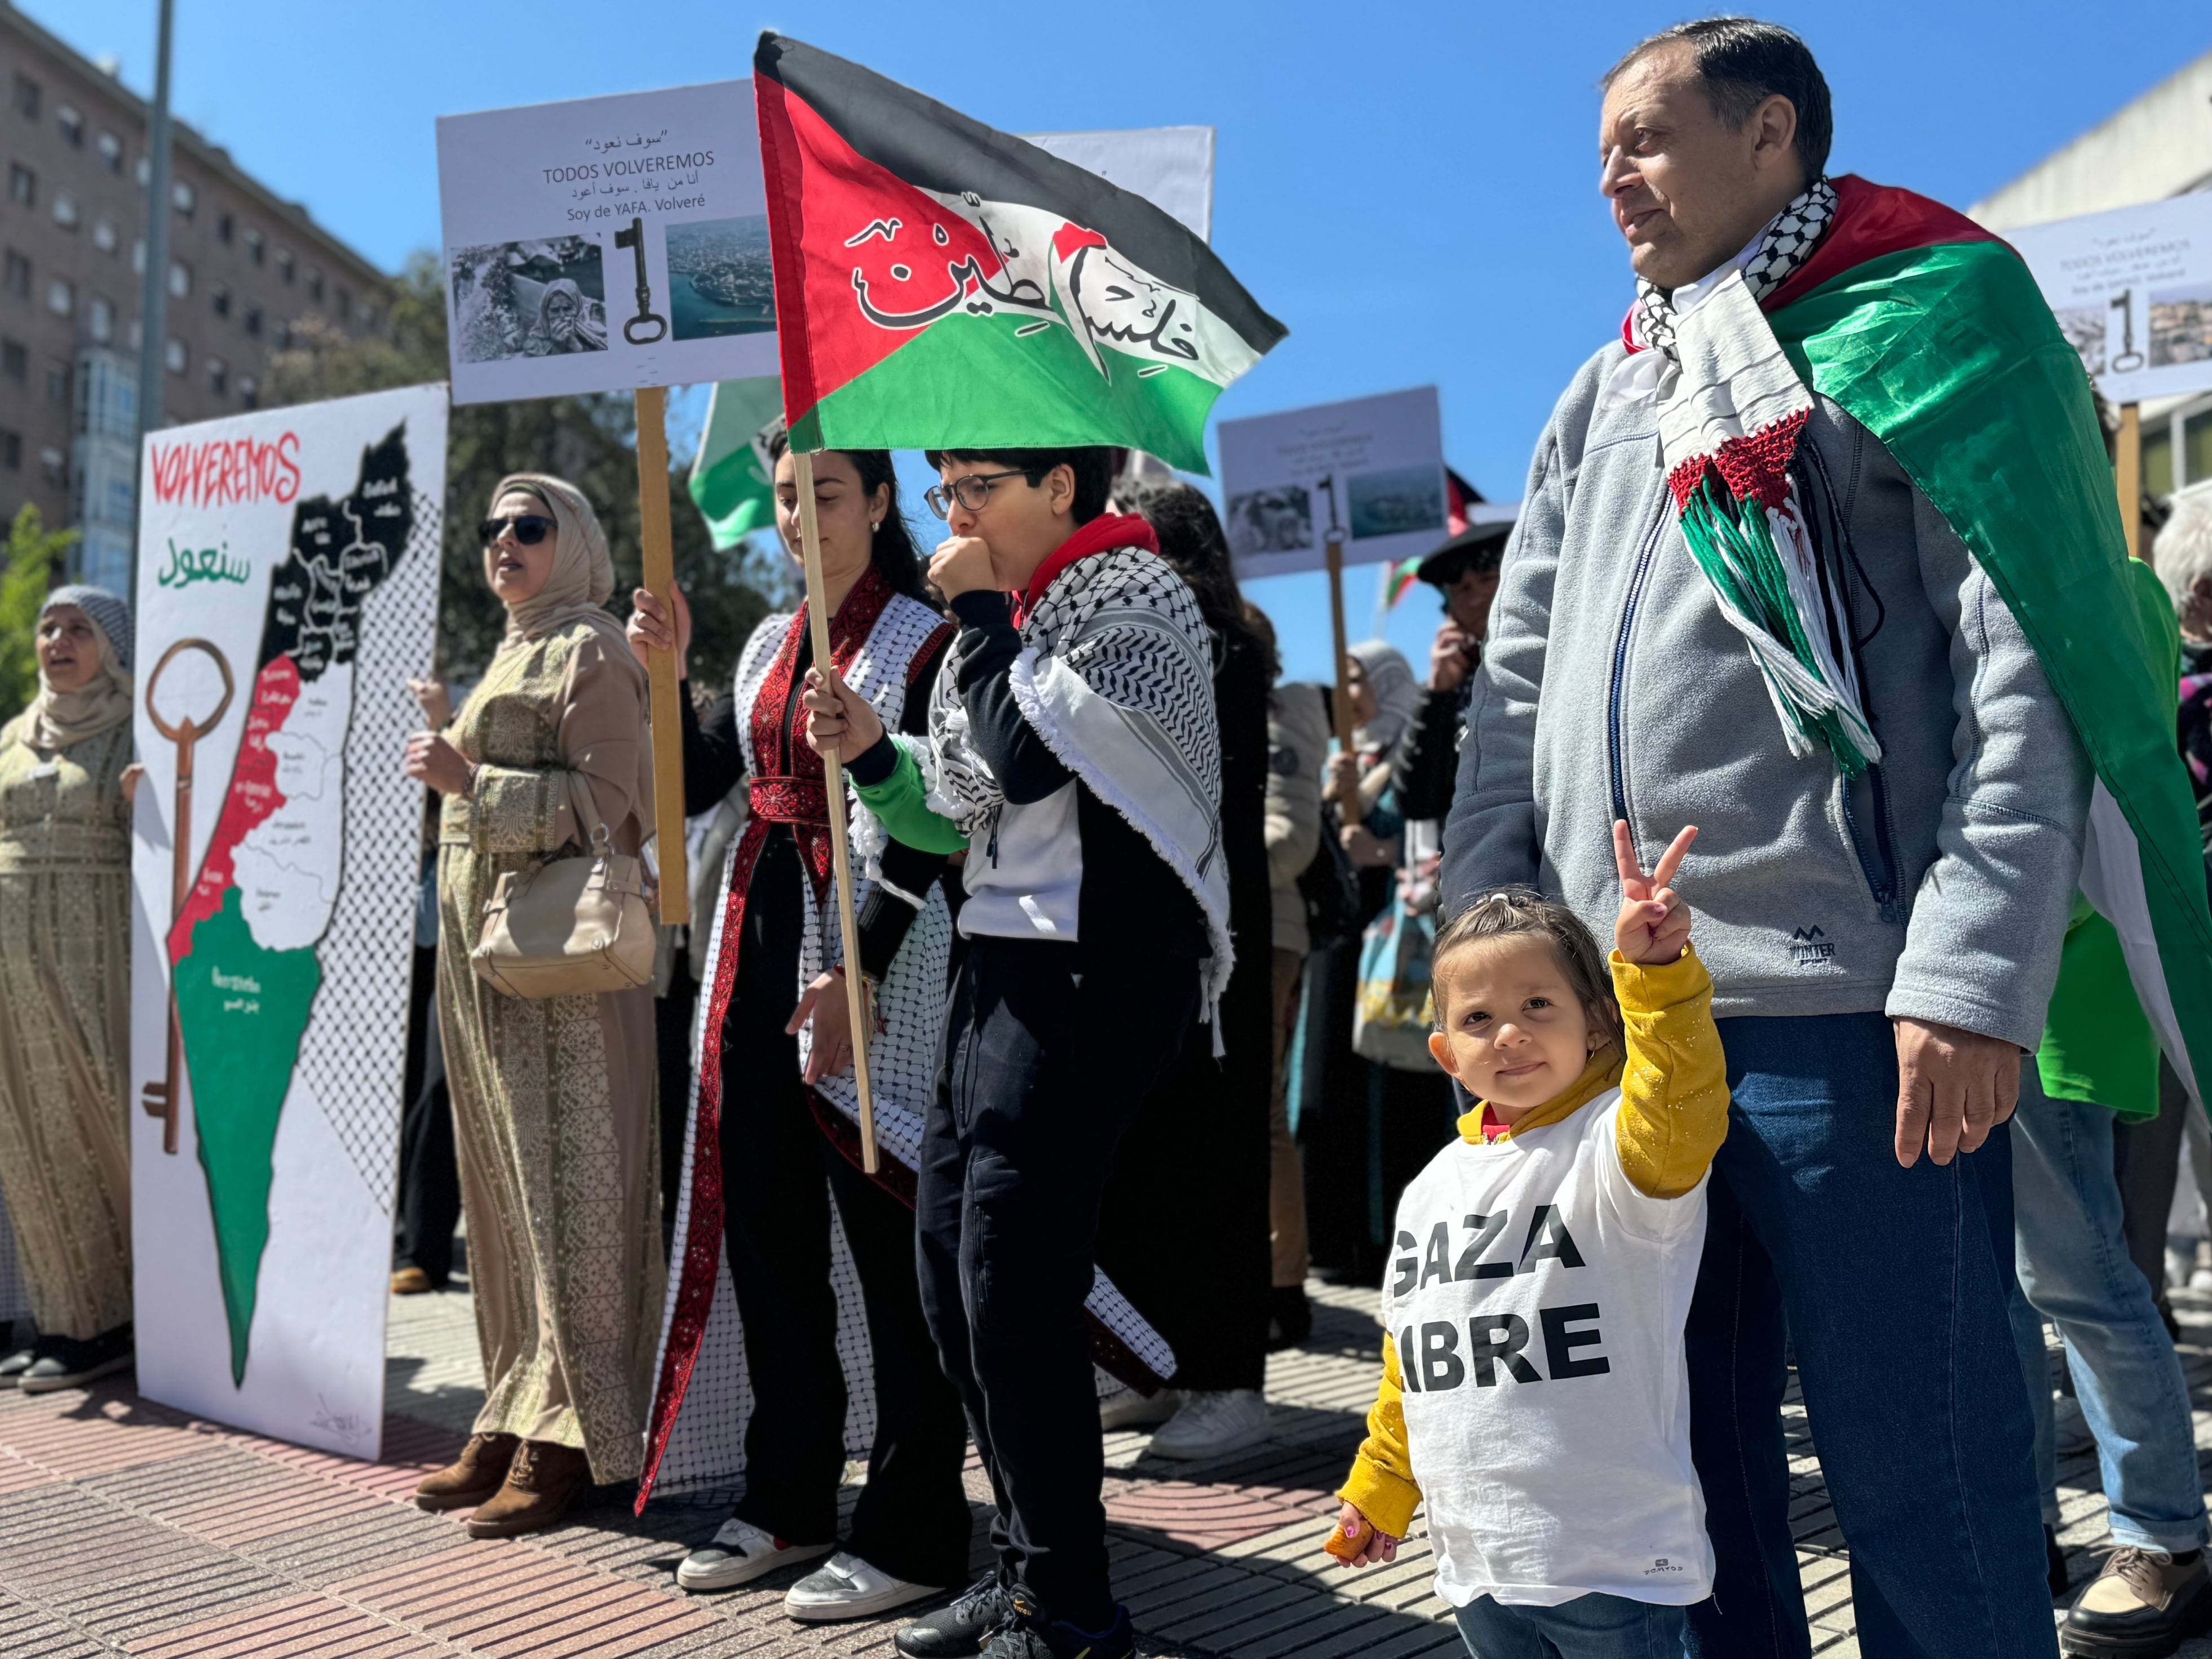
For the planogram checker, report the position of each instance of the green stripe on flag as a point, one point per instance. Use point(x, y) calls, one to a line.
point(1001, 383)
point(1951, 357)
point(730, 483)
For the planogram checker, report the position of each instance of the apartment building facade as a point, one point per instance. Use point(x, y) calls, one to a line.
point(246, 269)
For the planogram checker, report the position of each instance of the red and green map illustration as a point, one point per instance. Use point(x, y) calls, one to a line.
point(242, 950)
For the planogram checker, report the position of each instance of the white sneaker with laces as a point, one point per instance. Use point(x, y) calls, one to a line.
point(846, 1587)
point(1131, 1410)
point(1212, 1423)
point(739, 1553)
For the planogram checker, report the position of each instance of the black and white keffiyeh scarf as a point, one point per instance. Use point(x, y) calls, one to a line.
point(1117, 675)
point(1784, 247)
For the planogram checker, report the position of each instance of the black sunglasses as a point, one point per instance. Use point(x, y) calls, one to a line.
point(530, 528)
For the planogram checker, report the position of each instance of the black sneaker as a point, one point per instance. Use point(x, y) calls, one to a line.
point(957, 1631)
point(1031, 1633)
point(2145, 1602)
point(65, 1363)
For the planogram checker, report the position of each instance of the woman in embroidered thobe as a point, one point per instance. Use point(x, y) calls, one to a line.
point(552, 1098)
point(65, 992)
point(762, 1139)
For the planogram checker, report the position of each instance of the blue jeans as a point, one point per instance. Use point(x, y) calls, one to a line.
point(2075, 1271)
point(1587, 1627)
point(1893, 1288)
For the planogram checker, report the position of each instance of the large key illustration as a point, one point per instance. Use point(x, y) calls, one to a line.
point(160, 1098)
point(634, 239)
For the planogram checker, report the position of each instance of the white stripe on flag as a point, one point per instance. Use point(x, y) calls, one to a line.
point(2112, 882)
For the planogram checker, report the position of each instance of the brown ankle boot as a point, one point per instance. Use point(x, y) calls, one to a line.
point(471, 1478)
point(544, 1479)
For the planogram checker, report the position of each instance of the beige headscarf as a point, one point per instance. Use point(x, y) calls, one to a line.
point(577, 590)
point(60, 719)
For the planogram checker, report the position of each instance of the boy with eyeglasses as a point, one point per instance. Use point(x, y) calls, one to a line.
point(1073, 749)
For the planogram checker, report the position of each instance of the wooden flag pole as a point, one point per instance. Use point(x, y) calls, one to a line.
point(832, 782)
point(2127, 467)
point(663, 685)
point(1335, 549)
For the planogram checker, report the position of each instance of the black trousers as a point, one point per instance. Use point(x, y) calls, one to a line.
point(430, 1206)
point(1048, 1053)
point(671, 1035)
point(911, 1520)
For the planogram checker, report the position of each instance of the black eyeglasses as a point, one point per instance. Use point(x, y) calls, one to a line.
point(972, 491)
point(530, 528)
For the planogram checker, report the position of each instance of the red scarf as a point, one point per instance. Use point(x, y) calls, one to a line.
point(1107, 533)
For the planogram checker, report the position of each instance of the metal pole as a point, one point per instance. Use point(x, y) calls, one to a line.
point(154, 325)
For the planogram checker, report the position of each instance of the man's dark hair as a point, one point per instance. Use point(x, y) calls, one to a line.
point(1742, 62)
point(1093, 469)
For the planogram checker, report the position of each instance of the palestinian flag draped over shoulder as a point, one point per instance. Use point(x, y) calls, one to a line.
point(1930, 332)
point(940, 283)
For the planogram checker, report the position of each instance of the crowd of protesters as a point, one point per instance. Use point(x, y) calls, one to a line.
point(1175, 998)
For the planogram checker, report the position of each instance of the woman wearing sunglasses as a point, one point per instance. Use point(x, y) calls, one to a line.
point(552, 1098)
point(773, 1113)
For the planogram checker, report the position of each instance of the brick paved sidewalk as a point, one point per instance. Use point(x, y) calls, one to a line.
point(126, 1528)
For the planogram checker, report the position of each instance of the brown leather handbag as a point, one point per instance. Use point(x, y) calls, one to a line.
point(575, 927)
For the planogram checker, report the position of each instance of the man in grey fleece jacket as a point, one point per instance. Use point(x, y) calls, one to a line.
point(1882, 950)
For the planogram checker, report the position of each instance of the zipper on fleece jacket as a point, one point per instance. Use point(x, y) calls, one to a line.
point(1616, 757)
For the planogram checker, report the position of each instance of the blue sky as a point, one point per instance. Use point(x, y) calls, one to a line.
point(1411, 188)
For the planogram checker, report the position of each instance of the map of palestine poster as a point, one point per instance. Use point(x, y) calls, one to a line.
point(287, 587)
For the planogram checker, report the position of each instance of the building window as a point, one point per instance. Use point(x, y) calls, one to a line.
point(105, 237)
point(110, 152)
point(249, 392)
point(253, 247)
point(284, 265)
point(61, 296)
point(99, 321)
point(145, 171)
point(26, 98)
point(14, 360)
point(177, 358)
point(222, 229)
point(23, 185)
point(72, 125)
point(314, 283)
point(252, 322)
point(53, 466)
point(218, 374)
point(65, 210)
point(138, 256)
point(11, 451)
point(186, 199)
point(17, 279)
point(180, 279)
point(219, 298)
point(58, 383)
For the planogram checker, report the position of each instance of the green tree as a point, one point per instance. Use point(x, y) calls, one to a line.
point(33, 552)
point(590, 440)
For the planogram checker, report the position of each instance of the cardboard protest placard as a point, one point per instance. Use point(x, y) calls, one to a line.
point(2132, 290)
point(1370, 470)
point(287, 588)
point(606, 244)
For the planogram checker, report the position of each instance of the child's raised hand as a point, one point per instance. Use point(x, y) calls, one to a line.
point(1355, 1542)
point(1653, 925)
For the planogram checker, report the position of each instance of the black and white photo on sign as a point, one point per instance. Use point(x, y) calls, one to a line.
point(1279, 520)
point(540, 299)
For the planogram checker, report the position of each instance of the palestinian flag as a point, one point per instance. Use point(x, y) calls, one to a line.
point(939, 283)
point(1930, 332)
point(732, 481)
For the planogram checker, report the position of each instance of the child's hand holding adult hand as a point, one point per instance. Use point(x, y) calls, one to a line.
point(1356, 1543)
point(962, 564)
point(1653, 927)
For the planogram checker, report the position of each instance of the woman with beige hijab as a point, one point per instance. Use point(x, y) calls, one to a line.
point(553, 1114)
point(65, 993)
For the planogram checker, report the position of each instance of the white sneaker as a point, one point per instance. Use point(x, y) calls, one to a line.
point(848, 1587)
point(740, 1553)
point(1131, 1410)
point(1212, 1423)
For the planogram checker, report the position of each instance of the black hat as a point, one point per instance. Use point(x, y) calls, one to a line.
point(1478, 547)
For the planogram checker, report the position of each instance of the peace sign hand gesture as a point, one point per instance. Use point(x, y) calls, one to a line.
point(1653, 928)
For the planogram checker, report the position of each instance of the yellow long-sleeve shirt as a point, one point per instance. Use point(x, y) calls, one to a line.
point(1673, 1116)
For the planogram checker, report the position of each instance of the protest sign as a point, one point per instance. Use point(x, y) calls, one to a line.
point(606, 244)
point(2132, 290)
point(1370, 469)
point(1171, 167)
point(287, 588)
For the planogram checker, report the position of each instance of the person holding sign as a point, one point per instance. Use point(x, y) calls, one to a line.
point(65, 781)
point(775, 1073)
point(552, 1098)
point(1533, 1390)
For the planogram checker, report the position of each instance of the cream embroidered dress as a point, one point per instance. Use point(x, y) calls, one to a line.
point(65, 1023)
point(553, 1100)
